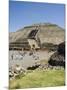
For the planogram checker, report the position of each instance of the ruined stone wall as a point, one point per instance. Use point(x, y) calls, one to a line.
point(33, 42)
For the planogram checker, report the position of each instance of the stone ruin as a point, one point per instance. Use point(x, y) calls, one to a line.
point(56, 61)
point(58, 58)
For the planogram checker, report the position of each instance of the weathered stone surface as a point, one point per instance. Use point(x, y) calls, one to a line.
point(61, 48)
point(58, 58)
point(47, 32)
point(16, 72)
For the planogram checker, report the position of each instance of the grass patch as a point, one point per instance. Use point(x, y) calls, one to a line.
point(39, 79)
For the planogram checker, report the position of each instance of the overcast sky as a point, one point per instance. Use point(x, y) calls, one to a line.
point(27, 13)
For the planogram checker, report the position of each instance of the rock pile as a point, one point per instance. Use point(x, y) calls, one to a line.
point(18, 70)
point(58, 58)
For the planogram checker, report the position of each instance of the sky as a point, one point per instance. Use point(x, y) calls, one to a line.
point(27, 13)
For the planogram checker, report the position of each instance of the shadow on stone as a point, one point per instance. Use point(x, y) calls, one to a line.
point(58, 58)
